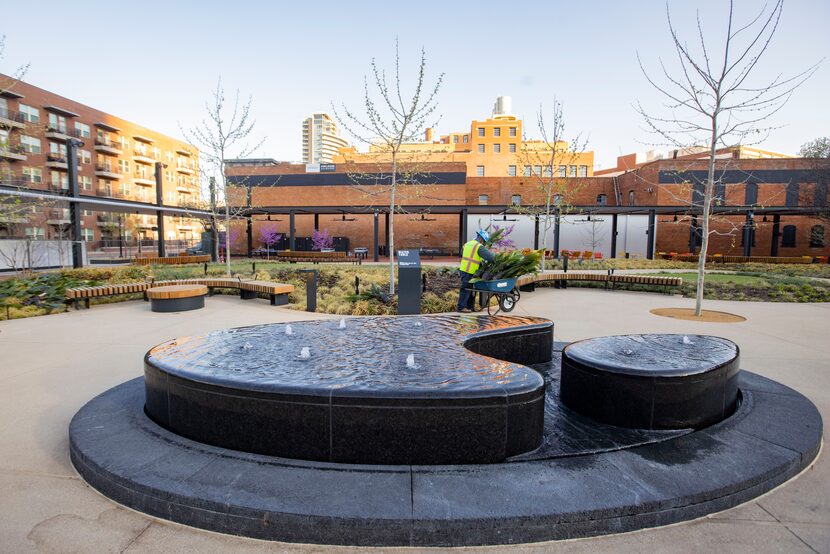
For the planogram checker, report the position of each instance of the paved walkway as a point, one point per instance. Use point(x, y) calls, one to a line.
point(52, 365)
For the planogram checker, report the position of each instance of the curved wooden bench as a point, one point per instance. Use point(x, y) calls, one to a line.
point(560, 279)
point(177, 298)
point(278, 292)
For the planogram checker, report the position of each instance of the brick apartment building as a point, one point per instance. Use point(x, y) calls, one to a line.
point(118, 160)
point(781, 197)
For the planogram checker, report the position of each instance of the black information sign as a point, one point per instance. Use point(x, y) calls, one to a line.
point(409, 282)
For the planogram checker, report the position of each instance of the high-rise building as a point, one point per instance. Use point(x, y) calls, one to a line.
point(320, 139)
point(118, 160)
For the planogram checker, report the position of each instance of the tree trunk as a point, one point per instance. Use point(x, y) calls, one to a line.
point(707, 206)
point(392, 222)
point(227, 235)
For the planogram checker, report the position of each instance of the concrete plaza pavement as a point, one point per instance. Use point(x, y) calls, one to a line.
point(53, 365)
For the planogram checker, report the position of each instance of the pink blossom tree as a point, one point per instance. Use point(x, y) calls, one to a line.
point(320, 240)
point(503, 241)
point(269, 236)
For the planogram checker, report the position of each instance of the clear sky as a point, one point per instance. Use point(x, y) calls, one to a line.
point(154, 62)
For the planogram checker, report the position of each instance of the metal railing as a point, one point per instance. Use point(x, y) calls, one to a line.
point(12, 115)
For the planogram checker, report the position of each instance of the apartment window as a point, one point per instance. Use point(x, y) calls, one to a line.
point(87, 234)
point(817, 236)
point(4, 108)
point(140, 148)
point(124, 166)
point(481, 149)
point(512, 132)
point(87, 213)
point(511, 170)
point(572, 171)
point(57, 149)
point(30, 144)
point(602, 199)
point(85, 156)
point(483, 199)
point(57, 123)
point(82, 130)
point(562, 171)
point(481, 131)
point(788, 236)
point(511, 148)
point(33, 174)
point(497, 148)
point(455, 139)
point(4, 139)
point(479, 171)
point(583, 171)
point(156, 153)
point(537, 170)
point(527, 171)
point(168, 176)
point(516, 200)
point(170, 157)
point(171, 197)
point(631, 198)
point(85, 183)
point(125, 189)
point(106, 187)
point(59, 179)
point(35, 233)
point(466, 139)
point(30, 114)
point(548, 172)
point(125, 143)
point(497, 132)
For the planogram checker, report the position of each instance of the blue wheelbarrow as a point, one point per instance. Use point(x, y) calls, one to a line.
point(505, 291)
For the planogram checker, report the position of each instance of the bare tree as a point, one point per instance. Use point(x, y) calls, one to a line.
point(224, 134)
point(711, 98)
point(392, 118)
point(546, 162)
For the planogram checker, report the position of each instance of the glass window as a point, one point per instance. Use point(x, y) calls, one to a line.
point(30, 114)
point(481, 131)
point(481, 149)
point(631, 198)
point(85, 182)
point(4, 139)
point(602, 199)
point(84, 156)
point(537, 170)
point(455, 139)
point(527, 171)
point(483, 199)
point(59, 179)
point(466, 139)
point(572, 171)
point(30, 144)
point(788, 236)
point(35, 233)
point(124, 166)
point(511, 170)
point(82, 130)
point(497, 131)
point(125, 189)
point(497, 148)
point(583, 171)
point(479, 171)
point(511, 148)
point(57, 123)
point(516, 199)
point(87, 234)
point(512, 132)
point(33, 174)
point(548, 171)
point(562, 172)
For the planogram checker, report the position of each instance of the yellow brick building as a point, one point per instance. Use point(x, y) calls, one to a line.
point(494, 147)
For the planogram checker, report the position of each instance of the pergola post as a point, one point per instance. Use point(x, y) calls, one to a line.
point(614, 233)
point(375, 245)
point(291, 233)
point(462, 230)
point(748, 232)
point(776, 234)
point(536, 232)
point(159, 212)
point(652, 221)
point(556, 224)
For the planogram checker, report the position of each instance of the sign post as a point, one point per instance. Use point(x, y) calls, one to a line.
point(409, 282)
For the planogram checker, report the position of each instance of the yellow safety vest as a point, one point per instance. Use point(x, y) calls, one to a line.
point(470, 260)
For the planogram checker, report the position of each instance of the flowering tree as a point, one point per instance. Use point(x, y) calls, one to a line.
point(503, 240)
point(320, 240)
point(269, 236)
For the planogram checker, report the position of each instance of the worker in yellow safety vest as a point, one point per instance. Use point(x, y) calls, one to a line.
point(471, 256)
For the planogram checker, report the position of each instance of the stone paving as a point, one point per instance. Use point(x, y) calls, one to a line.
point(53, 365)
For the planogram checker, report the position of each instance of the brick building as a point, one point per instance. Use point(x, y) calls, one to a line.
point(118, 160)
point(779, 198)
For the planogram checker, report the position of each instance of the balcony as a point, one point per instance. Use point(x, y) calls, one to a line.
point(184, 189)
point(58, 217)
point(184, 169)
point(62, 188)
point(143, 157)
point(57, 161)
point(144, 180)
point(107, 171)
point(14, 153)
point(107, 146)
point(10, 118)
point(57, 133)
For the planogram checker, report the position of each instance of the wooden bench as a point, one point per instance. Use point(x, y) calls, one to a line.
point(711, 258)
point(170, 260)
point(176, 298)
point(278, 292)
point(317, 257)
point(560, 279)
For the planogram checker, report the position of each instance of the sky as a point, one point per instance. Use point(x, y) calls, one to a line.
point(155, 63)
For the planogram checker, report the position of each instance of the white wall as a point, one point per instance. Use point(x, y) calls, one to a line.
point(44, 253)
point(577, 233)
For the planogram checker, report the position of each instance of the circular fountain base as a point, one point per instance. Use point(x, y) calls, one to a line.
point(587, 479)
